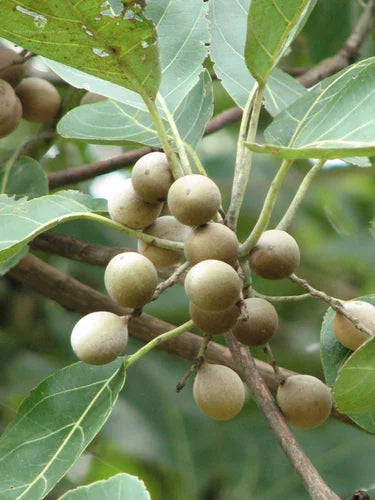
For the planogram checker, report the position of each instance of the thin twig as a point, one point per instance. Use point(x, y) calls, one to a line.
point(196, 362)
point(336, 304)
point(272, 361)
point(284, 298)
point(172, 280)
point(309, 476)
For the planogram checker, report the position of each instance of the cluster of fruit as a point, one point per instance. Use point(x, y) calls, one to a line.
point(33, 99)
point(212, 285)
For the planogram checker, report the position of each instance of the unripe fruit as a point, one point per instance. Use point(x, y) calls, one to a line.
point(261, 325)
point(130, 279)
point(127, 208)
point(12, 68)
point(218, 391)
point(168, 228)
point(275, 256)
point(346, 332)
point(194, 199)
point(304, 400)
point(211, 241)
point(152, 177)
point(99, 337)
point(92, 98)
point(214, 322)
point(213, 285)
point(10, 109)
point(40, 100)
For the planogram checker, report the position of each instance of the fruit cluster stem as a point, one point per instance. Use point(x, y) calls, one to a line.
point(198, 360)
point(272, 361)
point(172, 280)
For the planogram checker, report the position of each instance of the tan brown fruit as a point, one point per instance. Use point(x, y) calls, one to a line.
point(130, 279)
point(261, 325)
point(275, 256)
point(213, 285)
point(304, 400)
point(12, 68)
point(211, 241)
point(40, 100)
point(152, 177)
point(129, 209)
point(346, 332)
point(214, 322)
point(168, 228)
point(92, 98)
point(194, 199)
point(10, 109)
point(99, 337)
point(218, 391)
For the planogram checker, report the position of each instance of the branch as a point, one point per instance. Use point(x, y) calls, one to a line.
point(310, 477)
point(75, 296)
point(348, 54)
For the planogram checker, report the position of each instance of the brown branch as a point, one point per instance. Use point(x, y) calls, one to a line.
point(309, 476)
point(348, 54)
point(75, 296)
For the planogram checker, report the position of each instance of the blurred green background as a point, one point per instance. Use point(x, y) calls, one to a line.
point(159, 435)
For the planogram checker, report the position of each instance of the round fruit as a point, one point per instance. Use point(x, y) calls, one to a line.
point(211, 241)
point(10, 109)
point(129, 209)
point(213, 285)
point(99, 337)
point(346, 332)
point(261, 325)
point(218, 391)
point(168, 228)
point(214, 322)
point(92, 98)
point(194, 199)
point(12, 68)
point(130, 279)
point(304, 400)
point(152, 177)
point(275, 256)
point(40, 100)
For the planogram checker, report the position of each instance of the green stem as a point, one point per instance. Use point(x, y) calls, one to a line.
point(9, 164)
point(156, 341)
point(266, 212)
point(196, 160)
point(297, 200)
point(163, 136)
point(284, 298)
point(137, 233)
point(248, 130)
point(176, 136)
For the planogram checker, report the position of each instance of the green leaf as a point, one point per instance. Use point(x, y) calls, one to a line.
point(334, 120)
point(111, 122)
point(53, 427)
point(271, 28)
point(26, 178)
point(228, 35)
point(22, 220)
point(119, 47)
point(119, 487)
point(6, 265)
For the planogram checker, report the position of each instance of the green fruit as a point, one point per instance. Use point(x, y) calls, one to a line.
point(261, 325)
point(212, 241)
point(213, 285)
point(346, 332)
point(12, 68)
point(214, 322)
point(40, 100)
point(10, 109)
point(152, 177)
point(218, 391)
point(130, 279)
point(92, 98)
point(129, 209)
point(99, 337)
point(304, 400)
point(168, 228)
point(194, 199)
point(275, 256)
